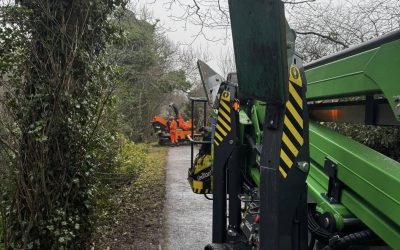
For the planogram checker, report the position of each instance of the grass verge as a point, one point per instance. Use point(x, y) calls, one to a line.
point(131, 214)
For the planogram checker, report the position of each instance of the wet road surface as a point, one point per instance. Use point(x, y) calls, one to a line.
point(187, 216)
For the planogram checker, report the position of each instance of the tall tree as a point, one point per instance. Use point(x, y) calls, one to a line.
point(150, 71)
point(56, 91)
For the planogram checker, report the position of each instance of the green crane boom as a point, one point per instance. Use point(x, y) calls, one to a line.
point(370, 180)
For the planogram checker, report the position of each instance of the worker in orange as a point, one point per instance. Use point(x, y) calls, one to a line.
point(172, 130)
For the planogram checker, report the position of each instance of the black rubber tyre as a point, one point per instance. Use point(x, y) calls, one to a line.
point(163, 141)
point(215, 247)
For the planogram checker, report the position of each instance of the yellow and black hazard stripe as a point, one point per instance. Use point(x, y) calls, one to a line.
point(293, 124)
point(198, 187)
point(223, 126)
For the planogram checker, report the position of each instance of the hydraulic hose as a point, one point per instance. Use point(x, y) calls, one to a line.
point(320, 233)
point(361, 237)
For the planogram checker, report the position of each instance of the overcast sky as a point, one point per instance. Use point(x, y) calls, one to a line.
point(184, 34)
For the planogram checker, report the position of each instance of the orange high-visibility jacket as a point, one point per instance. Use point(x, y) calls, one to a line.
point(172, 125)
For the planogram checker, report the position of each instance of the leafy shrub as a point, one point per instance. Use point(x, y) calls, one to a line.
point(132, 156)
point(130, 159)
point(55, 100)
point(385, 140)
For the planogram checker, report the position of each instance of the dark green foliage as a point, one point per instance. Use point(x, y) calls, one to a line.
point(57, 91)
point(385, 140)
point(147, 63)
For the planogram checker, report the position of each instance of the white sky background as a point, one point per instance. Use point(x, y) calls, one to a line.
point(216, 43)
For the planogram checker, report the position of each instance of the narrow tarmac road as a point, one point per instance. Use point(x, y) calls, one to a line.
point(187, 216)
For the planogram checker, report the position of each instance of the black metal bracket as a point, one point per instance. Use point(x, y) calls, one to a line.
point(273, 117)
point(334, 184)
point(370, 110)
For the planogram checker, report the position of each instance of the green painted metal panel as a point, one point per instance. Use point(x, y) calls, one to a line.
point(371, 180)
point(260, 109)
point(374, 219)
point(341, 78)
point(317, 184)
point(255, 175)
point(258, 31)
point(371, 175)
point(257, 118)
point(385, 70)
point(354, 203)
point(372, 71)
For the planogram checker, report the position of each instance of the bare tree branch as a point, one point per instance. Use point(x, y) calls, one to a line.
point(323, 36)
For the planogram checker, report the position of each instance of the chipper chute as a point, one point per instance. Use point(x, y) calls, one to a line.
point(211, 81)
